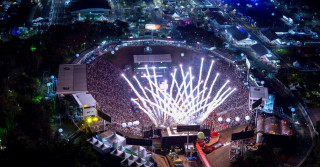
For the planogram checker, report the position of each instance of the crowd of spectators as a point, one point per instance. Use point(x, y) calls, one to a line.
point(236, 105)
point(112, 95)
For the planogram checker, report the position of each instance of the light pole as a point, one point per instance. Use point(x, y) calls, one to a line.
point(48, 85)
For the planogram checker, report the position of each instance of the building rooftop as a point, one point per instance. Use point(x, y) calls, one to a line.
point(259, 49)
point(269, 34)
point(219, 18)
point(259, 92)
point(236, 33)
point(84, 99)
point(72, 78)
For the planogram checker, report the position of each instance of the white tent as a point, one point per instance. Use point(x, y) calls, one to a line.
point(92, 140)
point(116, 152)
point(140, 160)
point(175, 16)
point(127, 162)
point(121, 148)
point(124, 155)
point(99, 146)
point(142, 151)
point(136, 164)
point(115, 138)
point(133, 157)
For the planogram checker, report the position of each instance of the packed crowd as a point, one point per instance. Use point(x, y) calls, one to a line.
point(236, 105)
point(113, 96)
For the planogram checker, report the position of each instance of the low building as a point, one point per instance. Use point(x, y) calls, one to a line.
point(256, 93)
point(72, 78)
point(260, 50)
point(273, 125)
point(87, 104)
point(264, 54)
point(281, 29)
point(218, 19)
point(269, 36)
point(239, 38)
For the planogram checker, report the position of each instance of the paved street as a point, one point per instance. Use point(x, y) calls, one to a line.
point(59, 12)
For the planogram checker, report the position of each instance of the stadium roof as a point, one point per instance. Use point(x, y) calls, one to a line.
point(259, 49)
point(153, 58)
point(269, 34)
point(259, 92)
point(88, 4)
point(72, 78)
point(236, 33)
point(84, 99)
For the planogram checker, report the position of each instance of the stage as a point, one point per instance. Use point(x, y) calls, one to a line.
point(170, 137)
point(172, 132)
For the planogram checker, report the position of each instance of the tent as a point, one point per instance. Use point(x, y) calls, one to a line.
point(136, 164)
point(92, 140)
point(175, 16)
point(133, 157)
point(142, 153)
point(125, 162)
point(140, 160)
point(121, 148)
point(118, 153)
point(102, 18)
point(115, 138)
point(124, 155)
point(99, 146)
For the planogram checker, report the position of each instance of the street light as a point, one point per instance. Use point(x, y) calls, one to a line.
point(237, 119)
point(48, 85)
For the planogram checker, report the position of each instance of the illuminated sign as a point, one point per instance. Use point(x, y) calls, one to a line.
point(152, 26)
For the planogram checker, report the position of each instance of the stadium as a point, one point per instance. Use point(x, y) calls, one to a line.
point(115, 80)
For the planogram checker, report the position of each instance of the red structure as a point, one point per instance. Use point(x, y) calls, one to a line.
point(202, 155)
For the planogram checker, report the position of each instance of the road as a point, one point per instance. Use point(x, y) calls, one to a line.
point(45, 13)
point(116, 9)
point(59, 12)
